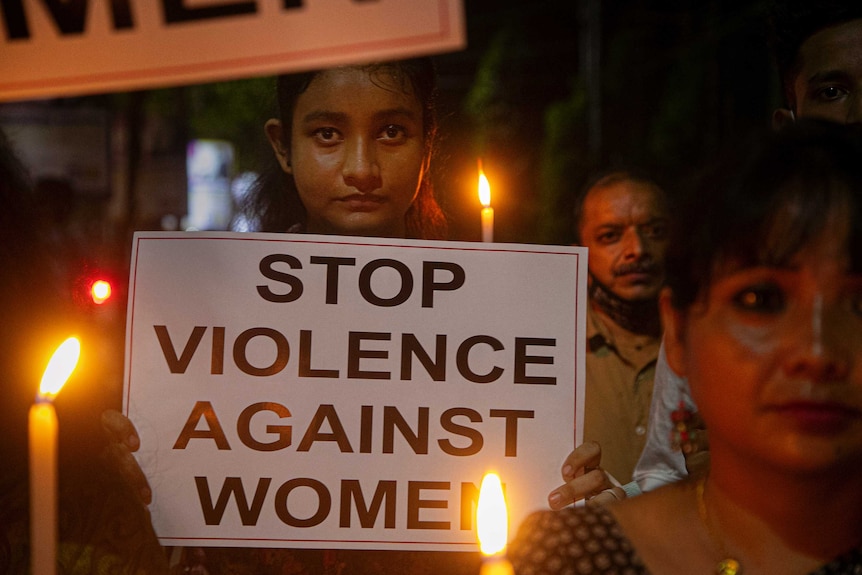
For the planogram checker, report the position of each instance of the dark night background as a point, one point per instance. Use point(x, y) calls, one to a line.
point(547, 93)
point(552, 91)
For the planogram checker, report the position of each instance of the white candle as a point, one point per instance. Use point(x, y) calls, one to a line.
point(492, 526)
point(43, 459)
point(487, 224)
point(497, 565)
point(43, 488)
point(487, 210)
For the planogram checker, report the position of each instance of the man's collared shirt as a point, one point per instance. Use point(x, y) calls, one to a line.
point(620, 366)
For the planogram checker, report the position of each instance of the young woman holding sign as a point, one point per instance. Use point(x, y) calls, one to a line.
point(352, 149)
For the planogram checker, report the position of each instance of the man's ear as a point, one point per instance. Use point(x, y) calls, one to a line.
point(781, 118)
point(274, 134)
point(673, 322)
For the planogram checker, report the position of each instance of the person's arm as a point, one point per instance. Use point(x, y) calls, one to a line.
point(123, 440)
point(660, 463)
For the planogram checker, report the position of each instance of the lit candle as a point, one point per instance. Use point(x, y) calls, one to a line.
point(492, 526)
point(43, 459)
point(487, 210)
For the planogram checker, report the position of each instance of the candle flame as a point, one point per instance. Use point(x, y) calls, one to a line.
point(484, 189)
point(60, 367)
point(492, 519)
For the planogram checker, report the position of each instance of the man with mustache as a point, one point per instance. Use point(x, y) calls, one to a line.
point(622, 218)
point(817, 48)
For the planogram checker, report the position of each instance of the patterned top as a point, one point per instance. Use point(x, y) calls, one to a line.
point(588, 540)
point(574, 541)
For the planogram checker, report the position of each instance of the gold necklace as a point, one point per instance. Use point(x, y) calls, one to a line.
point(728, 565)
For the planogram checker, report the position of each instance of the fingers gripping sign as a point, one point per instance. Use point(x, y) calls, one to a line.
point(584, 479)
point(122, 441)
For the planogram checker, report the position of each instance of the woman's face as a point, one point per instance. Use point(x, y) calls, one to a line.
point(357, 152)
point(774, 359)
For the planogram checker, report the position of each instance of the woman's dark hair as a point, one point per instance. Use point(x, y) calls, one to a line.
point(765, 201)
point(274, 200)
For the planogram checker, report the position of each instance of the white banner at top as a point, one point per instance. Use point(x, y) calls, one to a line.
point(50, 48)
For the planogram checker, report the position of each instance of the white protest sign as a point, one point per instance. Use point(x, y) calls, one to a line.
point(324, 392)
point(53, 48)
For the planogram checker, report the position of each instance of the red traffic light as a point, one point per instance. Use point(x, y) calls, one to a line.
point(100, 291)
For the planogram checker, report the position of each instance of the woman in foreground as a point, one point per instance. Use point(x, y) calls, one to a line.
point(763, 314)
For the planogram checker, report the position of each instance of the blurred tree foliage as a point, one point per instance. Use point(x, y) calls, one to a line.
point(234, 111)
point(524, 68)
point(679, 80)
point(564, 160)
point(494, 100)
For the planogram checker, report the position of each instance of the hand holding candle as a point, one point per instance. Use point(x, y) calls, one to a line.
point(43, 459)
point(492, 526)
point(487, 210)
